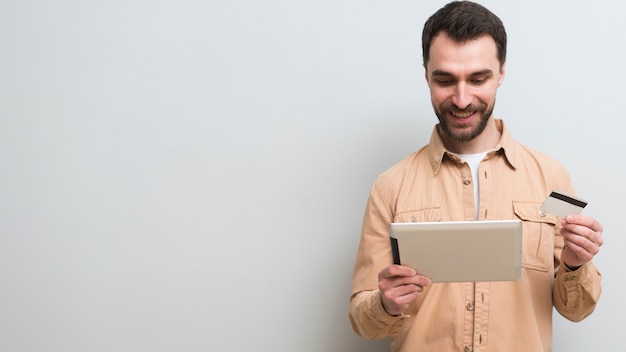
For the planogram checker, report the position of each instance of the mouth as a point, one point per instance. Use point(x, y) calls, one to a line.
point(462, 115)
point(462, 118)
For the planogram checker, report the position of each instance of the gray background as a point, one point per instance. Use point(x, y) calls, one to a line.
point(191, 175)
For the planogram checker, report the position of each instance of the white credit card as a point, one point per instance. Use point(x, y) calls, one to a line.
point(562, 205)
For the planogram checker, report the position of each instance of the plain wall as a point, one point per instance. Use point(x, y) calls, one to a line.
point(191, 175)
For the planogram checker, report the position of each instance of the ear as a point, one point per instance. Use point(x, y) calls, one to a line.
point(426, 75)
point(502, 74)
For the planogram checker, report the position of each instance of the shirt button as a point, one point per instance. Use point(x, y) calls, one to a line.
point(466, 181)
point(470, 306)
point(469, 348)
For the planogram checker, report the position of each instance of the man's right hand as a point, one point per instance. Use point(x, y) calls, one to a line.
point(399, 286)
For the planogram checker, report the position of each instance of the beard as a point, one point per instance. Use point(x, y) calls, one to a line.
point(463, 135)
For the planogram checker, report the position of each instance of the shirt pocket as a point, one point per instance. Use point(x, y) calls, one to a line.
point(432, 214)
point(537, 236)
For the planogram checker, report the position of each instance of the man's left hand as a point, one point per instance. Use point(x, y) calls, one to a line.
point(583, 239)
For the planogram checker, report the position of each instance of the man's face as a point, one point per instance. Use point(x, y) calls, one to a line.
point(463, 79)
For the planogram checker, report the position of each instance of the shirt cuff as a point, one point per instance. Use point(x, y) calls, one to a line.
point(572, 277)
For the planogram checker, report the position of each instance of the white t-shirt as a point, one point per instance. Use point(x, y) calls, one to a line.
point(473, 160)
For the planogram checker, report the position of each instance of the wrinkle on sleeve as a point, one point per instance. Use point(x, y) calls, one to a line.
point(576, 293)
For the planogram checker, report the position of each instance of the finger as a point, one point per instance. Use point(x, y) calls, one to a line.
point(406, 298)
point(397, 299)
point(396, 270)
point(394, 304)
point(420, 280)
point(404, 290)
point(577, 233)
point(387, 283)
point(582, 220)
point(580, 245)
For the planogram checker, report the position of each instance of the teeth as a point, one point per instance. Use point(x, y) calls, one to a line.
point(462, 114)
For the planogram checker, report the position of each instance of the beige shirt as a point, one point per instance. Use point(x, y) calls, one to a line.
point(433, 184)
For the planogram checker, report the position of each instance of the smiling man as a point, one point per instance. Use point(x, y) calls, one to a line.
point(463, 79)
point(472, 169)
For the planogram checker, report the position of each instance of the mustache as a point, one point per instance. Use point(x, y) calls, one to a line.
point(472, 108)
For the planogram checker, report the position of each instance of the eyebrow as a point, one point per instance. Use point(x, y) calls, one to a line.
point(485, 72)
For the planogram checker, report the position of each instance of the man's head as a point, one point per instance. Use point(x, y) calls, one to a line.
point(464, 57)
point(463, 21)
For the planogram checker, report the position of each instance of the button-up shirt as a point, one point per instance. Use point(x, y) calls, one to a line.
point(434, 184)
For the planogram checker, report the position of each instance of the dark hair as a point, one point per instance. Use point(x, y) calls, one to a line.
point(463, 21)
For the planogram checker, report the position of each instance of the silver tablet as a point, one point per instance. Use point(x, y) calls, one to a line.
point(460, 251)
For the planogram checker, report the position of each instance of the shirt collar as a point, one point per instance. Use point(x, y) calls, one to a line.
point(506, 144)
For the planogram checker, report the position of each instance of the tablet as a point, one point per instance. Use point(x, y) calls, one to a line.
point(460, 251)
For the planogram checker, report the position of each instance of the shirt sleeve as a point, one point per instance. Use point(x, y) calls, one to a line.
point(367, 315)
point(370, 320)
point(576, 293)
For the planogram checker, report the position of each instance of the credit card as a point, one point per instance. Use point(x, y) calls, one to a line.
point(562, 205)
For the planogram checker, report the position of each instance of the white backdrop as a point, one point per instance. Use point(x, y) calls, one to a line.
point(191, 175)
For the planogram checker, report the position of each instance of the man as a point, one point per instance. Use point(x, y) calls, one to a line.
point(472, 169)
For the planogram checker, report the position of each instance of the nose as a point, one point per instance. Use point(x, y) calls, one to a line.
point(461, 96)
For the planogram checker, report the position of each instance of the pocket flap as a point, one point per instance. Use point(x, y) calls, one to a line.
point(423, 215)
point(528, 211)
